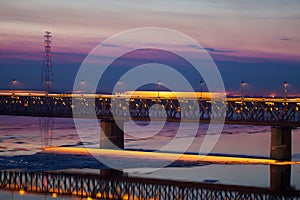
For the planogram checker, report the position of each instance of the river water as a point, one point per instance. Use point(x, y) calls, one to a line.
point(22, 140)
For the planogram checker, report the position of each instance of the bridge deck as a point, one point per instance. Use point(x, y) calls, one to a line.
point(250, 111)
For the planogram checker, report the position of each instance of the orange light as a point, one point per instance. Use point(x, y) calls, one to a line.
point(98, 195)
point(169, 156)
point(54, 195)
point(21, 192)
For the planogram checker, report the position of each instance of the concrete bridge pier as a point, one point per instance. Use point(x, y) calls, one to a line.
point(111, 173)
point(281, 143)
point(280, 179)
point(281, 149)
point(112, 136)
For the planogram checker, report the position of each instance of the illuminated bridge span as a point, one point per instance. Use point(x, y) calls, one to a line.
point(253, 111)
point(281, 114)
point(122, 187)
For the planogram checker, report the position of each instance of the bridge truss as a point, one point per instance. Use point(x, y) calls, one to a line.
point(123, 187)
point(272, 112)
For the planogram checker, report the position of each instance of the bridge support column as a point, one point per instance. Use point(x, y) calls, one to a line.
point(111, 173)
point(112, 136)
point(281, 143)
point(280, 179)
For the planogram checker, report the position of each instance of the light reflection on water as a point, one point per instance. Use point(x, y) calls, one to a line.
point(17, 195)
point(22, 136)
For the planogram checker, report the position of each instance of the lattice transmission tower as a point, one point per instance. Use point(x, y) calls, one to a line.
point(47, 76)
point(47, 123)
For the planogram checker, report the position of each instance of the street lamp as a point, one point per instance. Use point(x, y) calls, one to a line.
point(47, 87)
point(119, 88)
point(285, 83)
point(243, 83)
point(82, 84)
point(201, 88)
point(14, 82)
point(158, 88)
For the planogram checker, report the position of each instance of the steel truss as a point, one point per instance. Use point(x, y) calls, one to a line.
point(277, 113)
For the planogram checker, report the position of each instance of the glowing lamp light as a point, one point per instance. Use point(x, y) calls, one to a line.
point(201, 88)
point(54, 195)
point(158, 88)
point(14, 82)
point(21, 192)
point(285, 84)
point(243, 83)
point(98, 195)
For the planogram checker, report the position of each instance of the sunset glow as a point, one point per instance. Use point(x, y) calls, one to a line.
point(130, 99)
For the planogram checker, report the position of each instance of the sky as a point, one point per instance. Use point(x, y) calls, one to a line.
point(255, 41)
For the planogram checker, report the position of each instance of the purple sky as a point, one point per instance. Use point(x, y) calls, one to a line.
point(255, 41)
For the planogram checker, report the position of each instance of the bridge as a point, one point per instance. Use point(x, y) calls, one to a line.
point(280, 113)
point(251, 111)
point(114, 185)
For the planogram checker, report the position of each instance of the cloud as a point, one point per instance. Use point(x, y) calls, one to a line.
point(284, 39)
point(210, 49)
point(109, 45)
point(219, 51)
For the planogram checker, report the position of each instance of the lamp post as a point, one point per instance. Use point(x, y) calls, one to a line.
point(47, 87)
point(285, 83)
point(119, 88)
point(14, 82)
point(158, 88)
point(82, 84)
point(243, 83)
point(201, 89)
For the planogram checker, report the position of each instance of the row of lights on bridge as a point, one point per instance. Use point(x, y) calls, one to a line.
point(23, 192)
point(243, 84)
point(54, 195)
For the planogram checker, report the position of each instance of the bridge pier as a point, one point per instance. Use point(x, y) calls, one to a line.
point(280, 178)
point(112, 136)
point(281, 149)
point(281, 143)
point(111, 172)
